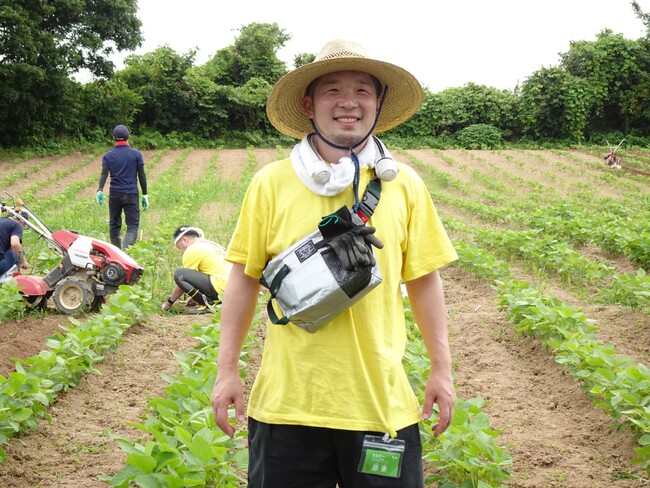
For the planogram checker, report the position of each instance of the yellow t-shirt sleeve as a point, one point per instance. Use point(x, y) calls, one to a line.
point(248, 242)
point(428, 246)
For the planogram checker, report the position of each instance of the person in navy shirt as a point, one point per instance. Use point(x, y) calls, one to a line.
point(125, 165)
point(11, 238)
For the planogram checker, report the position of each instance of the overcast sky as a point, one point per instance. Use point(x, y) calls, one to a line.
point(444, 43)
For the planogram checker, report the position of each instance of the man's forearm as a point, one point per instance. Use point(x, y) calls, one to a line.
point(428, 305)
point(177, 292)
point(237, 311)
point(18, 251)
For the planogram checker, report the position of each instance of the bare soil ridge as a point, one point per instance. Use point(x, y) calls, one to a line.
point(554, 434)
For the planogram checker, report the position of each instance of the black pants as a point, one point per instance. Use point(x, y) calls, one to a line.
point(128, 204)
point(296, 456)
point(195, 283)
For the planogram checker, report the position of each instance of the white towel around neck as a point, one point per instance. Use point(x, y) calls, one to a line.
point(342, 172)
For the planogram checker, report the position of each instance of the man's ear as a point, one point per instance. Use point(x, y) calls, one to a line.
point(308, 106)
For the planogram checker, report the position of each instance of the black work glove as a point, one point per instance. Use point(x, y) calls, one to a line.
point(336, 223)
point(353, 247)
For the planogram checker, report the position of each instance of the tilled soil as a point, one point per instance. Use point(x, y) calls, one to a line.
point(555, 436)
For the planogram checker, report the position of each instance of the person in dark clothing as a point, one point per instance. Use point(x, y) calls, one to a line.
point(126, 167)
point(11, 238)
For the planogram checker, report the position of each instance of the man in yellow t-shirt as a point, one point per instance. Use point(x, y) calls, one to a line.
point(204, 271)
point(335, 406)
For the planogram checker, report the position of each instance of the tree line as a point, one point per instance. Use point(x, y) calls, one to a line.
point(600, 89)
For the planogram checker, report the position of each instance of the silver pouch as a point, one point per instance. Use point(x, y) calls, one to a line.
point(310, 285)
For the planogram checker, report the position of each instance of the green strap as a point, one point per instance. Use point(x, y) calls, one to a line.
point(275, 286)
point(274, 316)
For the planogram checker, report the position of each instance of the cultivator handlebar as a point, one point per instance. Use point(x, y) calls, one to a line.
point(14, 207)
point(614, 149)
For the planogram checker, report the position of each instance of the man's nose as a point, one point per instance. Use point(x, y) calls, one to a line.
point(348, 100)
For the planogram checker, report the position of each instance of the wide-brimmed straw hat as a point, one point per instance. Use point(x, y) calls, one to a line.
point(284, 105)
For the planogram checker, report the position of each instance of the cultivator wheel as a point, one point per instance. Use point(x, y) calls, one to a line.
point(73, 295)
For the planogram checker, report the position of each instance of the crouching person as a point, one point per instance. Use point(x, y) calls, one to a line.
point(203, 273)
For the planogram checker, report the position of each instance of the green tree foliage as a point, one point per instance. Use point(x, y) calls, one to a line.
point(599, 87)
point(36, 105)
point(555, 104)
point(41, 44)
point(248, 104)
point(253, 55)
point(302, 59)
point(456, 108)
point(618, 73)
point(67, 35)
point(224, 97)
point(160, 79)
point(105, 104)
point(643, 16)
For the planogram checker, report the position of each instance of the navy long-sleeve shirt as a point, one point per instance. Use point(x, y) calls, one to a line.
point(126, 167)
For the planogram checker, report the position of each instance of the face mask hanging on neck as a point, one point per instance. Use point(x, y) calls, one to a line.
point(385, 166)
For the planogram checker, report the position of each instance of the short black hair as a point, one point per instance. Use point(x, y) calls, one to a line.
point(187, 229)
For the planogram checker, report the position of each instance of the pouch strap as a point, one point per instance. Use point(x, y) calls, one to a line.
point(275, 286)
point(370, 200)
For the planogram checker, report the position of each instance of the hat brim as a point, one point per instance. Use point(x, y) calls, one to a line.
point(284, 105)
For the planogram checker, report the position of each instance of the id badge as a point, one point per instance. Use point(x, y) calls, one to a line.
point(381, 456)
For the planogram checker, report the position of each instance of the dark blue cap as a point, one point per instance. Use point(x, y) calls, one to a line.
point(121, 133)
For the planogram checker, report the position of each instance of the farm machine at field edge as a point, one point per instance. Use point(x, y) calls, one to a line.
point(89, 270)
point(612, 159)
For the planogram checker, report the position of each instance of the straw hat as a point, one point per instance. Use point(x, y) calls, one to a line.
point(284, 105)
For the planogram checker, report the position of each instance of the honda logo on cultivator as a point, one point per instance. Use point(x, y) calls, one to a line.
point(89, 268)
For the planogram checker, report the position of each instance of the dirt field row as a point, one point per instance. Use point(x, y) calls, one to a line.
point(554, 434)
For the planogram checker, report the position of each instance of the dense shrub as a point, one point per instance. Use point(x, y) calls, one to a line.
point(479, 136)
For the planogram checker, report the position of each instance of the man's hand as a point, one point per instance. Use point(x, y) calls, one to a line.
point(145, 203)
point(440, 390)
point(167, 304)
point(100, 197)
point(22, 262)
point(228, 390)
point(353, 247)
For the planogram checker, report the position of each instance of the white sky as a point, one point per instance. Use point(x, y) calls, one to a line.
point(444, 43)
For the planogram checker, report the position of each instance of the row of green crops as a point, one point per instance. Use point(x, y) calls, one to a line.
point(544, 253)
point(179, 429)
point(530, 227)
point(182, 446)
point(615, 382)
point(26, 393)
point(617, 227)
